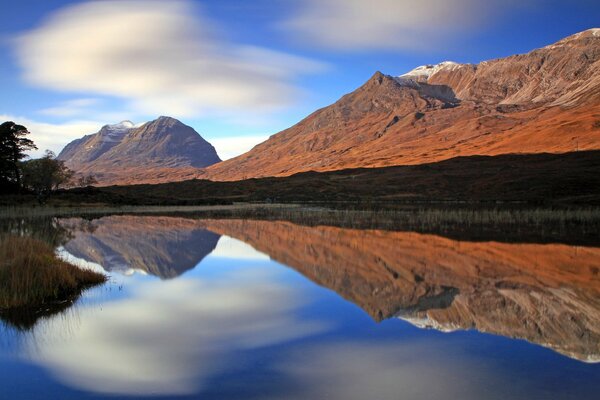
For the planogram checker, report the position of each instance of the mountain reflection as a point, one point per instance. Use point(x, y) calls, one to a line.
point(162, 246)
point(546, 294)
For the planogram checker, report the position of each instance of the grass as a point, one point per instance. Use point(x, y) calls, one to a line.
point(16, 211)
point(577, 226)
point(31, 275)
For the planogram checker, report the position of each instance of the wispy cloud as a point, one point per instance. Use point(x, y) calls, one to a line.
point(70, 108)
point(53, 136)
point(162, 57)
point(388, 24)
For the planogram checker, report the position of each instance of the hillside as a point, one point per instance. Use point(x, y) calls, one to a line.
point(535, 292)
point(547, 100)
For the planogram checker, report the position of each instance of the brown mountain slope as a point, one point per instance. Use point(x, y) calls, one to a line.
point(546, 294)
point(161, 150)
point(545, 101)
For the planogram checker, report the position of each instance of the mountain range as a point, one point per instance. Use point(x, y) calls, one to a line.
point(547, 100)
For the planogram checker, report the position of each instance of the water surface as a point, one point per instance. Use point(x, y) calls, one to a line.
point(268, 310)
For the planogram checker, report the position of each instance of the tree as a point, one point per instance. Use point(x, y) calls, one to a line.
point(43, 175)
point(86, 180)
point(13, 145)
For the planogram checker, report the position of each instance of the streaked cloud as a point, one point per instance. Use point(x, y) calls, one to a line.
point(388, 24)
point(164, 58)
point(70, 108)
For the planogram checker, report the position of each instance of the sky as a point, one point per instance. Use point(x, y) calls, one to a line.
point(239, 71)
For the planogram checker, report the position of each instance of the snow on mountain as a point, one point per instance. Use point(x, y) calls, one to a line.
point(123, 125)
point(424, 72)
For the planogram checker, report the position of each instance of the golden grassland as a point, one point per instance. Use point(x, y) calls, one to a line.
point(31, 274)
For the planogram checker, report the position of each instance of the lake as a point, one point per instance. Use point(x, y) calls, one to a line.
point(233, 308)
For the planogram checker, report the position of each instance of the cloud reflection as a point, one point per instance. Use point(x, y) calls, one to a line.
point(171, 337)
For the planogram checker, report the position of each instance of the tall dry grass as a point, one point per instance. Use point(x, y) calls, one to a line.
point(31, 274)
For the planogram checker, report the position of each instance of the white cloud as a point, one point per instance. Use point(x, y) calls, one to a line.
point(171, 337)
point(53, 136)
point(388, 24)
point(163, 57)
point(70, 108)
point(390, 370)
point(230, 147)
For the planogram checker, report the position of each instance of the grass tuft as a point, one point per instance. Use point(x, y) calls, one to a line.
point(31, 274)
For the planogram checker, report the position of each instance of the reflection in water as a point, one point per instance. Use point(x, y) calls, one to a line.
point(395, 371)
point(547, 294)
point(151, 343)
point(161, 246)
point(242, 326)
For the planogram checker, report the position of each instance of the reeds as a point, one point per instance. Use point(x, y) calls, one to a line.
point(32, 275)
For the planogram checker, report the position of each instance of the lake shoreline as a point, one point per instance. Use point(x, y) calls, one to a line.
point(34, 280)
point(577, 226)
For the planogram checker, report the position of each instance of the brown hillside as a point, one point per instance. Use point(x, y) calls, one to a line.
point(545, 101)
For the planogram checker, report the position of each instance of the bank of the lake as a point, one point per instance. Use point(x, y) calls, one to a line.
point(32, 275)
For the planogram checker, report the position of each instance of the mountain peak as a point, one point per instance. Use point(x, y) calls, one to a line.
point(166, 118)
point(583, 36)
point(424, 72)
point(121, 126)
point(117, 150)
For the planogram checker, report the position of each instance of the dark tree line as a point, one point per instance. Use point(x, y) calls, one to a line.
point(40, 176)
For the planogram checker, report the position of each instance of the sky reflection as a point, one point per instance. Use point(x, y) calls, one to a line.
point(299, 319)
point(170, 337)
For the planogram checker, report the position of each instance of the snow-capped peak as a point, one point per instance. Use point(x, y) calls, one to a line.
point(114, 132)
point(424, 72)
point(122, 125)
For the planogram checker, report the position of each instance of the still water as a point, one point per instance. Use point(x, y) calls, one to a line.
point(230, 309)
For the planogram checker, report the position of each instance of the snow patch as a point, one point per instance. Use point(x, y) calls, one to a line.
point(121, 126)
point(424, 72)
point(428, 323)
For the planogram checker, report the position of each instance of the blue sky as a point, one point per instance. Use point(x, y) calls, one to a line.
point(239, 71)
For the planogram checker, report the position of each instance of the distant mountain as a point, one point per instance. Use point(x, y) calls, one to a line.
point(161, 246)
point(545, 101)
point(159, 150)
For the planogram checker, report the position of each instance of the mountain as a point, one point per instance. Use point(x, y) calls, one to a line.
point(548, 294)
point(165, 247)
point(159, 150)
point(547, 100)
